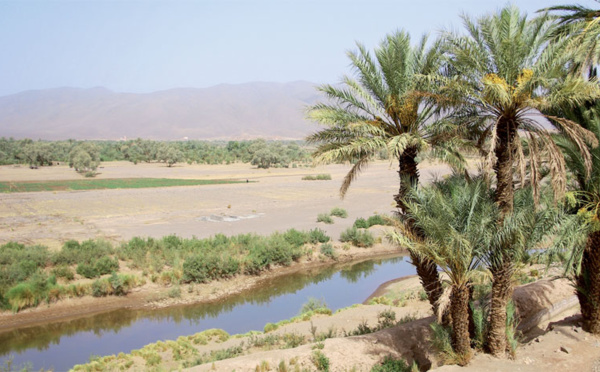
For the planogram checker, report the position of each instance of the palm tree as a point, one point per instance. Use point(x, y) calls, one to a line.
point(584, 237)
point(385, 108)
point(457, 219)
point(461, 234)
point(581, 27)
point(506, 73)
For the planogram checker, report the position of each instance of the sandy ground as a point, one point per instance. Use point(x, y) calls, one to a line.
point(553, 343)
point(278, 200)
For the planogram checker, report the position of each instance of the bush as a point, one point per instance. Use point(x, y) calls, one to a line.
point(361, 223)
point(295, 237)
point(327, 250)
point(359, 238)
point(100, 288)
point(324, 217)
point(318, 177)
point(87, 270)
point(390, 364)
point(106, 265)
point(317, 236)
point(116, 282)
point(320, 361)
point(203, 268)
point(339, 212)
point(312, 304)
point(377, 219)
point(63, 272)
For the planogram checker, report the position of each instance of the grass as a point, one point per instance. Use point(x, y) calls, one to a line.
point(324, 217)
point(98, 184)
point(318, 177)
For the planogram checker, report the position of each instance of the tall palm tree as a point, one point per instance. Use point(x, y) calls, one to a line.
point(386, 108)
point(458, 219)
point(581, 27)
point(506, 73)
point(584, 243)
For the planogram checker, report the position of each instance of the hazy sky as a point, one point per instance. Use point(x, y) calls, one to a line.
point(144, 46)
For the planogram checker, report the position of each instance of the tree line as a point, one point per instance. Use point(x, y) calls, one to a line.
point(523, 93)
point(86, 155)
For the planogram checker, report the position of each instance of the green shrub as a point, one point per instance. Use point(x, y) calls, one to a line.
point(390, 364)
point(269, 327)
point(106, 265)
point(359, 238)
point(116, 282)
point(317, 236)
point(327, 250)
point(318, 177)
point(175, 292)
point(324, 217)
point(87, 270)
point(320, 361)
point(377, 219)
point(100, 288)
point(295, 237)
point(204, 268)
point(361, 223)
point(64, 272)
point(339, 212)
point(313, 304)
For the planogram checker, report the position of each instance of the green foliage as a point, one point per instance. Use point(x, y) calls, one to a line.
point(324, 217)
point(204, 268)
point(361, 223)
point(318, 177)
point(358, 237)
point(317, 236)
point(320, 361)
point(327, 250)
point(269, 327)
point(122, 183)
point(312, 304)
point(339, 212)
point(378, 219)
point(85, 157)
point(63, 272)
point(390, 364)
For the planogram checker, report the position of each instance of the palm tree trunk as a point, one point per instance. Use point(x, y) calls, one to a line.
point(504, 151)
point(426, 269)
point(588, 284)
point(501, 293)
point(459, 305)
point(408, 174)
point(502, 273)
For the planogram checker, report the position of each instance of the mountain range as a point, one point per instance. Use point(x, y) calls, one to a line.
point(240, 111)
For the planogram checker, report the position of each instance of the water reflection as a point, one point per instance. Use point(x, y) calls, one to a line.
point(61, 345)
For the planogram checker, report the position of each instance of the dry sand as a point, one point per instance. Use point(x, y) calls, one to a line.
point(279, 200)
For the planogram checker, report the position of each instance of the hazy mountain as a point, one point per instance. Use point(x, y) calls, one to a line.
point(270, 110)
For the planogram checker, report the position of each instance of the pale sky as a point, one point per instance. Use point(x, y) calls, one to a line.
point(145, 46)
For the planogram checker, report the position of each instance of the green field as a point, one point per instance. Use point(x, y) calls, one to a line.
point(93, 184)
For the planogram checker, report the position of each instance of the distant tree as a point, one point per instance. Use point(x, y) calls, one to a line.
point(169, 154)
point(38, 154)
point(85, 157)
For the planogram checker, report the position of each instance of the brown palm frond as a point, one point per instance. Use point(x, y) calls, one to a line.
point(580, 136)
point(353, 174)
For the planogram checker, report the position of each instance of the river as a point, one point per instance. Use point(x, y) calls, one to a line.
point(61, 345)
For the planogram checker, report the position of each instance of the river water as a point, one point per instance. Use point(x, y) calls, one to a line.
point(62, 345)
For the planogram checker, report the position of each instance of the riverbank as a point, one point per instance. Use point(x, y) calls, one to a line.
point(551, 339)
point(155, 296)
